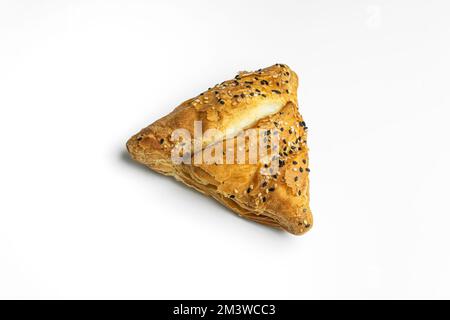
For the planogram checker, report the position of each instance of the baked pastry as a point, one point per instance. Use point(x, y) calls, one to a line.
point(274, 189)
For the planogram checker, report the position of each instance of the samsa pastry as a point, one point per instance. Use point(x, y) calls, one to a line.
point(242, 142)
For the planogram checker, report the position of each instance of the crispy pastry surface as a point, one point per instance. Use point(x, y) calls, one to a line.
point(264, 99)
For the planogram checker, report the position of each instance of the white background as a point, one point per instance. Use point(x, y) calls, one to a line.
point(78, 219)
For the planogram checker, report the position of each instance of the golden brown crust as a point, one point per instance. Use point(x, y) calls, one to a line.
point(265, 99)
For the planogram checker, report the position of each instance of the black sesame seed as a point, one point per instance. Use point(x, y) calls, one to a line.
point(242, 95)
point(299, 193)
point(300, 169)
point(248, 82)
point(249, 190)
point(308, 170)
point(276, 91)
point(221, 102)
point(161, 141)
point(304, 161)
point(264, 95)
point(264, 184)
point(296, 179)
point(263, 199)
point(272, 189)
point(294, 162)
point(232, 196)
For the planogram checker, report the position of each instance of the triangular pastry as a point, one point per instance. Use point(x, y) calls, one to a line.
point(270, 187)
